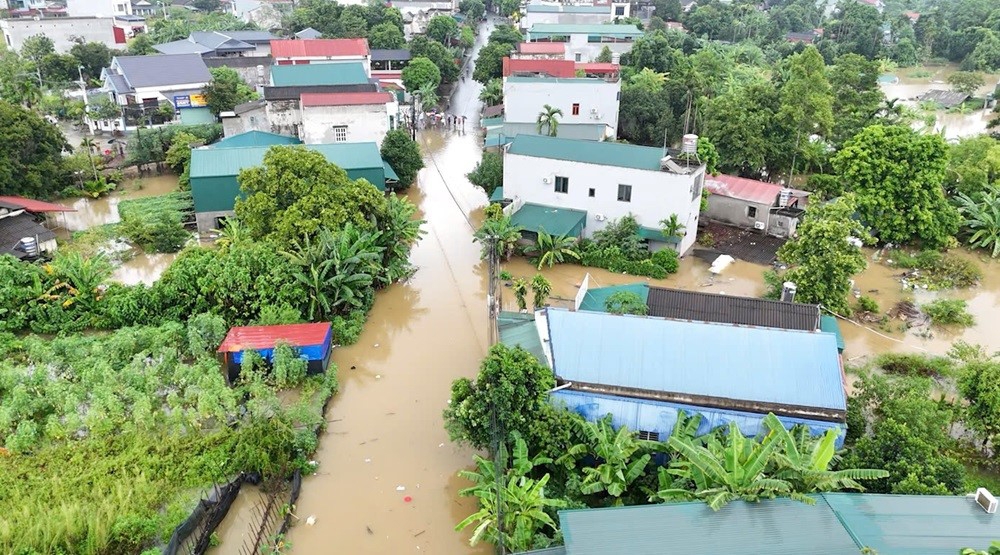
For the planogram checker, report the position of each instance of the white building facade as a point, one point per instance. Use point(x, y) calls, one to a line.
point(348, 117)
point(582, 100)
point(585, 42)
point(536, 13)
point(62, 31)
point(607, 181)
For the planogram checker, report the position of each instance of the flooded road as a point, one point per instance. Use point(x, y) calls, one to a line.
point(387, 477)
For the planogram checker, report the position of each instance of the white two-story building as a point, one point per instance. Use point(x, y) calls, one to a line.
point(348, 117)
point(590, 102)
point(140, 83)
point(585, 42)
point(536, 13)
point(575, 187)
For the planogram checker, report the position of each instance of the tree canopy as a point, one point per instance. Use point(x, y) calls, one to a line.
point(226, 90)
point(419, 72)
point(403, 154)
point(31, 161)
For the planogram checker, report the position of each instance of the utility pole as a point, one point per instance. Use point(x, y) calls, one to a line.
point(38, 72)
point(493, 291)
point(86, 102)
point(413, 115)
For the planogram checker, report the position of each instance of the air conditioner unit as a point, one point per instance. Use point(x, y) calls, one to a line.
point(986, 500)
point(600, 217)
point(547, 180)
point(758, 225)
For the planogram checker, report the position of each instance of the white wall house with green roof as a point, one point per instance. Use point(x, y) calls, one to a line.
point(576, 187)
point(584, 101)
point(585, 42)
point(535, 13)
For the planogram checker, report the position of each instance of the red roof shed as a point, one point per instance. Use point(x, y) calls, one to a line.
point(266, 337)
point(318, 48)
point(553, 68)
point(38, 206)
point(751, 190)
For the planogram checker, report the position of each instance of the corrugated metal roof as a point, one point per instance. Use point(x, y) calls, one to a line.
point(15, 228)
point(774, 527)
point(163, 70)
point(548, 551)
point(264, 337)
point(250, 36)
point(915, 524)
point(746, 189)
point(32, 205)
point(340, 73)
point(345, 99)
point(599, 67)
point(295, 92)
point(555, 221)
point(730, 309)
point(761, 365)
point(385, 55)
point(255, 138)
point(182, 46)
point(608, 30)
point(308, 33)
point(542, 47)
point(601, 153)
point(829, 324)
point(318, 48)
point(390, 174)
point(519, 330)
point(497, 195)
point(213, 162)
point(595, 297)
point(553, 68)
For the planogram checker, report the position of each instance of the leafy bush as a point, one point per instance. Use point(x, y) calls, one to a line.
point(156, 223)
point(666, 259)
point(915, 365)
point(624, 234)
point(948, 312)
point(611, 258)
point(937, 270)
point(867, 304)
point(626, 302)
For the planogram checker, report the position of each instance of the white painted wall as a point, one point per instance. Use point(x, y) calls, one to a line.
point(574, 18)
point(61, 30)
point(252, 120)
point(579, 50)
point(166, 92)
point(285, 117)
point(523, 100)
point(99, 8)
point(655, 194)
point(365, 123)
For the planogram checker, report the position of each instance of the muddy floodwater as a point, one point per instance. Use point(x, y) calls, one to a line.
point(953, 125)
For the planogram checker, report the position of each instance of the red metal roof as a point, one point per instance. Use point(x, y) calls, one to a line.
point(36, 205)
point(318, 48)
point(266, 337)
point(345, 99)
point(542, 48)
point(750, 190)
point(554, 68)
point(599, 67)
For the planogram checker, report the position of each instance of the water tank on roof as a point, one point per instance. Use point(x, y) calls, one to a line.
point(784, 197)
point(29, 245)
point(689, 144)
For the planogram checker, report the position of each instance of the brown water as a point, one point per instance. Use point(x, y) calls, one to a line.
point(953, 125)
point(92, 212)
point(143, 268)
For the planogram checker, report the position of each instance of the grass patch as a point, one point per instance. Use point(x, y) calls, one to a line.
point(915, 365)
point(157, 223)
point(934, 270)
point(949, 312)
point(919, 74)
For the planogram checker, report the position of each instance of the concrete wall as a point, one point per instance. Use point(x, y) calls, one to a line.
point(655, 194)
point(579, 50)
point(284, 117)
point(518, 56)
point(736, 212)
point(573, 18)
point(364, 123)
point(524, 100)
point(254, 120)
point(207, 221)
point(61, 30)
point(99, 8)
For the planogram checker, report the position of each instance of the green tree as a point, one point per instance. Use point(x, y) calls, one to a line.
point(859, 30)
point(973, 164)
point(488, 173)
point(806, 99)
point(36, 47)
point(492, 93)
point(512, 506)
point(386, 36)
point(548, 120)
point(626, 302)
point(353, 22)
point(508, 7)
point(473, 9)
point(648, 80)
point(442, 57)
point(982, 219)
point(979, 383)
point(399, 230)
point(140, 45)
point(621, 458)
point(297, 192)
point(549, 250)
point(489, 62)
point(419, 72)
point(857, 96)
point(31, 161)
point(822, 258)
point(427, 93)
point(520, 290)
point(966, 82)
point(605, 56)
point(506, 397)
point(403, 155)
point(540, 290)
point(743, 126)
point(178, 156)
point(897, 175)
point(442, 28)
point(59, 70)
point(672, 227)
point(708, 155)
point(226, 90)
point(501, 233)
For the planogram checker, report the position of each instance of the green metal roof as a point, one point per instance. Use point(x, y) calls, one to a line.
point(547, 551)
point(497, 195)
point(775, 527)
point(657, 235)
point(609, 30)
point(602, 153)
point(555, 221)
point(595, 298)
point(389, 172)
point(829, 324)
point(915, 524)
point(489, 123)
point(518, 330)
point(210, 162)
point(256, 138)
point(342, 73)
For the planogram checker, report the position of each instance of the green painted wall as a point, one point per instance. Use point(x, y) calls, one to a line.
point(194, 116)
point(213, 194)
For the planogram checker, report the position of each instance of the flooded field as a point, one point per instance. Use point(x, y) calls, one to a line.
point(909, 84)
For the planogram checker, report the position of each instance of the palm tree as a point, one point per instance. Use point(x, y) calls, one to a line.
point(80, 276)
point(547, 120)
point(540, 289)
point(492, 93)
point(983, 219)
point(520, 289)
point(519, 499)
point(233, 233)
point(90, 145)
point(621, 458)
point(501, 233)
point(428, 96)
point(552, 250)
point(672, 227)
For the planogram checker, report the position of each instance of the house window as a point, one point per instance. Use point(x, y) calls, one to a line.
point(340, 134)
point(562, 184)
point(578, 57)
point(576, 109)
point(591, 192)
point(649, 436)
point(696, 186)
point(121, 7)
point(751, 211)
point(619, 10)
point(625, 193)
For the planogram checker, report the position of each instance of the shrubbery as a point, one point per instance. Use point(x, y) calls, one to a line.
point(618, 248)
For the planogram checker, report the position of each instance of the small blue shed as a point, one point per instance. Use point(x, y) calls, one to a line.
point(312, 342)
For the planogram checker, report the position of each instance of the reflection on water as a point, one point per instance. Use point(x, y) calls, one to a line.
point(952, 125)
point(94, 212)
point(143, 268)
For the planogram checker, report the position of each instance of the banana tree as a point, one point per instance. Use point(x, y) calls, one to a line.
point(501, 233)
point(551, 250)
point(622, 457)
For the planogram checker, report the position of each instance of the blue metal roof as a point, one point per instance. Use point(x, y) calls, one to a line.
point(717, 360)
